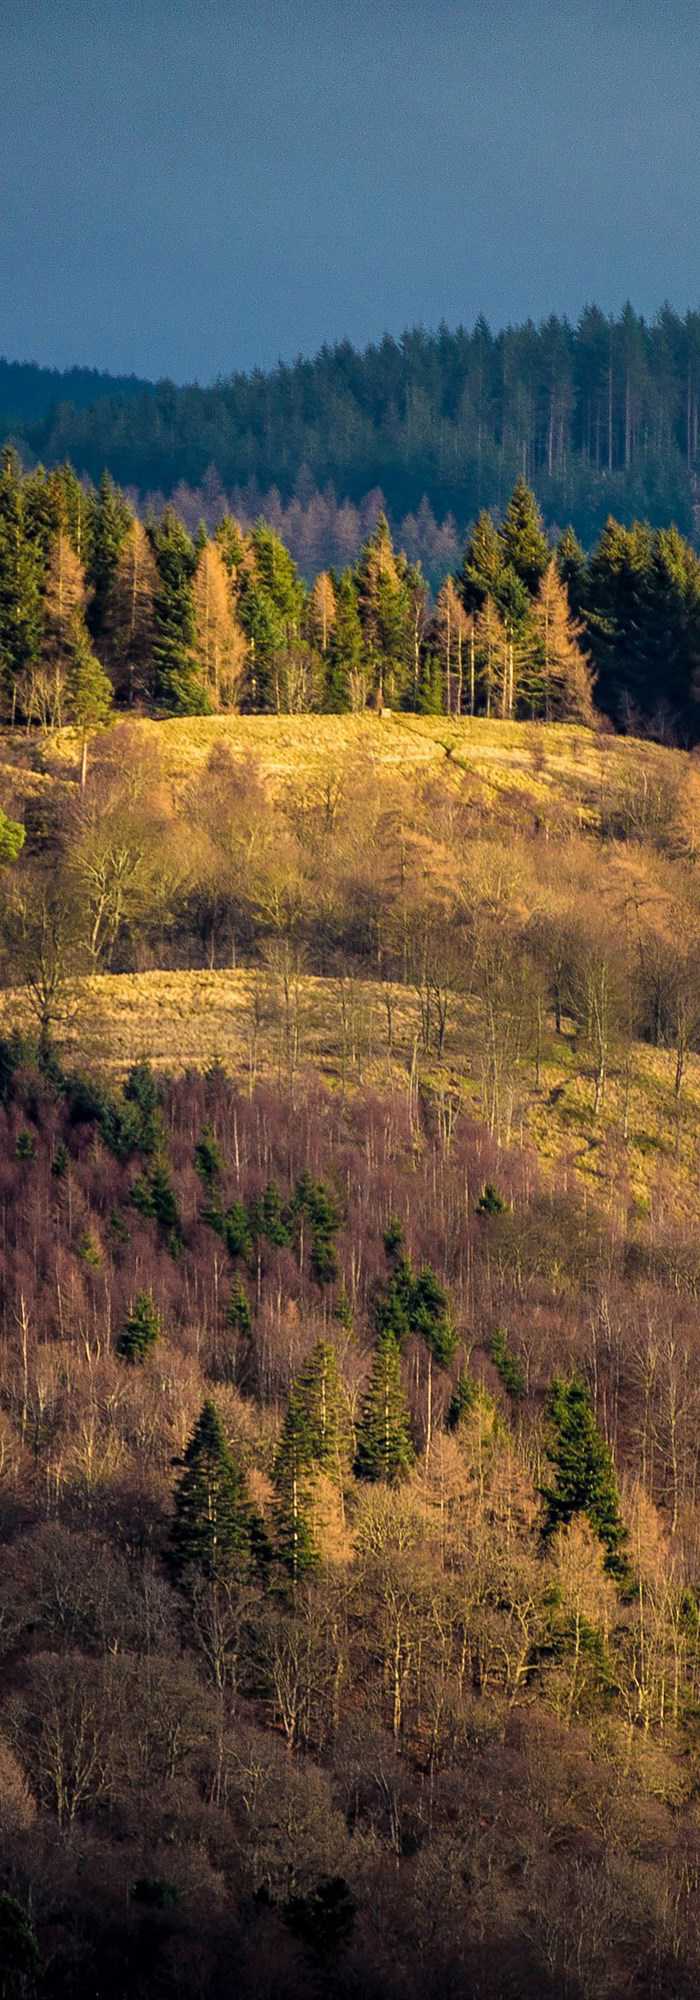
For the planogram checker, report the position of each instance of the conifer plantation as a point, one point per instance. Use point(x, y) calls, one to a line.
point(99, 608)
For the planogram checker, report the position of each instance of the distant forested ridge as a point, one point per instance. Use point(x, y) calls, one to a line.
point(601, 417)
point(31, 395)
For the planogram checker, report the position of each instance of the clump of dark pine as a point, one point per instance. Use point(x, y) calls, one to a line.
point(584, 1478)
point(508, 1366)
point(215, 1533)
point(141, 1330)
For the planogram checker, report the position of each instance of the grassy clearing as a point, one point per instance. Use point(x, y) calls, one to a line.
point(570, 767)
point(338, 1029)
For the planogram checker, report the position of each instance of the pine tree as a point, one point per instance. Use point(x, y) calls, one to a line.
point(220, 644)
point(385, 611)
point(141, 1330)
point(238, 1312)
point(584, 1479)
point(266, 635)
point(238, 1231)
point(230, 539)
point(177, 682)
point(509, 1368)
point(523, 539)
point(429, 1316)
point(20, 1963)
point(207, 1158)
point(384, 1447)
point(213, 1528)
point(491, 657)
point(617, 617)
point(321, 1408)
point(462, 1400)
point(347, 676)
point(153, 1195)
point(21, 576)
point(313, 1199)
point(268, 1217)
point(111, 520)
point(292, 1477)
point(430, 698)
point(482, 565)
point(571, 564)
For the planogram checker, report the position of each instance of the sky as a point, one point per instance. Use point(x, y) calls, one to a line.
point(188, 187)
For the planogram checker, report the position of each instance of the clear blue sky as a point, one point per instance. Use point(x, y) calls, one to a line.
point(190, 186)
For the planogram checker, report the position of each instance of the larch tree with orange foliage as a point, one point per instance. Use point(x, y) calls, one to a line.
point(219, 641)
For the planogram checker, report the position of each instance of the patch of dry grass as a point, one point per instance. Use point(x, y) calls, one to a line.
point(338, 1029)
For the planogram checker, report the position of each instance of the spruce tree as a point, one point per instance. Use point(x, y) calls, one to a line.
point(238, 1312)
point(292, 1476)
point(313, 1200)
point(21, 613)
point(268, 1217)
point(177, 682)
point(429, 1316)
point(213, 1530)
point(384, 1447)
point(346, 678)
point(571, 564)
point(141, 1330)
point(523, 539)
point(462, 1400)
point(482, 565)
point(207, 1158)
point(321, 1408)
point(111, 520)
point(509, 1368)
point(584, 1479)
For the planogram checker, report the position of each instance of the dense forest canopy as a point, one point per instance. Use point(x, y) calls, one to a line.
point(599, 417)
point(99, 607)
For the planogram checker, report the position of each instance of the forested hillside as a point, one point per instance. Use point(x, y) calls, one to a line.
point(601, 417)
point(349, 1279)
point(98, 608)
point(349, 1596)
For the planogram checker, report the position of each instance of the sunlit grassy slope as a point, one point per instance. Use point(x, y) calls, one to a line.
point(178, 1020)
point(556, 776)
point(559, 768)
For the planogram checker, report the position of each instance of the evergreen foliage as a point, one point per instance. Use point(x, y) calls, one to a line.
point(141, 1330)
point(212, 1533)
point(509, 1369)
point(384, 1446)
point(584, 1479)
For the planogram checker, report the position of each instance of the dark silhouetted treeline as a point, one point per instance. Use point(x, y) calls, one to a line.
point(601, 417)
point(31, 395)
